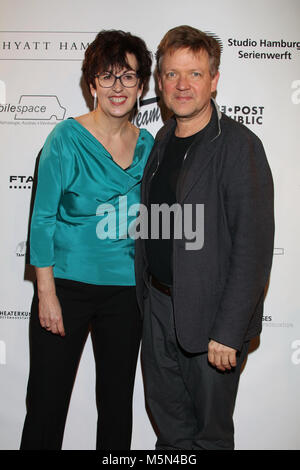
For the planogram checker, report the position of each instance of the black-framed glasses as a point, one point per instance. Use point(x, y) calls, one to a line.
point(108, 79)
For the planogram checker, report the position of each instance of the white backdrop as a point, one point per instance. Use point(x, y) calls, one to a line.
point(41, 48)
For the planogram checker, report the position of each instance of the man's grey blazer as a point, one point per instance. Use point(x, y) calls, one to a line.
point(218, 290)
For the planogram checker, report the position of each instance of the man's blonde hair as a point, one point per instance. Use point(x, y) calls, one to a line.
point(183, 37)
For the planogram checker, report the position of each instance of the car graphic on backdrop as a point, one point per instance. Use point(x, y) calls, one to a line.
point(39, 107)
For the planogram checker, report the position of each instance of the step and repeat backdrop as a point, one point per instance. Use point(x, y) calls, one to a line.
point(42, 45)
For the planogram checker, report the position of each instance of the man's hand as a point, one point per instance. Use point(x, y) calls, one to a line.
point(220, 356)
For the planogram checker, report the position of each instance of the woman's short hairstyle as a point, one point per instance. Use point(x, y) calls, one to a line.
point(185, 36)
point(109, 50)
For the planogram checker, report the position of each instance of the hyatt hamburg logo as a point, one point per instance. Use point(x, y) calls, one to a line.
point(44, 45)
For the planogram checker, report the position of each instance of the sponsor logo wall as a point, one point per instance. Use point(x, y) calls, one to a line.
point(41, 84)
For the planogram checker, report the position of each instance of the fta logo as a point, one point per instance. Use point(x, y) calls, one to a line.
point(20, 182)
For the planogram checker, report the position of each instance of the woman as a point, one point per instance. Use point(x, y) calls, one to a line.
point(85, 275)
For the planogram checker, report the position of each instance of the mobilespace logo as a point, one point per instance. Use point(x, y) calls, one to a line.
point(34, 107)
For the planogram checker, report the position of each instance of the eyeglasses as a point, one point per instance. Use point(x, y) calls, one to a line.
point(108, 79)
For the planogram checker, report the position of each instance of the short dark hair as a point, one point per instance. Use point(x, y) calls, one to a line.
point(109, 50)
point(188, 37)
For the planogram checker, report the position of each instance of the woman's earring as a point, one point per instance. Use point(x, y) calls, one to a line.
point(95, 100)
point(138, 104)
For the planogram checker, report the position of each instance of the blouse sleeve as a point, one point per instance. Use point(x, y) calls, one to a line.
point(48, 195)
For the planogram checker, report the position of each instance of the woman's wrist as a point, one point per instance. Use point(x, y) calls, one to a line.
point(45, 281)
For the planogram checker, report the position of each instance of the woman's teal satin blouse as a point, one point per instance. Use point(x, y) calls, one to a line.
point(80, 219)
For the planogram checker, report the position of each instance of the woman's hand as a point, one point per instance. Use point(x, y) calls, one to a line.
point(50, 313)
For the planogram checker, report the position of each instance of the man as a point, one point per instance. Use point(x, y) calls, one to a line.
point(202, 303)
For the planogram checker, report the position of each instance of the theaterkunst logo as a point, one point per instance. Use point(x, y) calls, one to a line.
point(33, 108)
point(159, 221)
point(14, 315)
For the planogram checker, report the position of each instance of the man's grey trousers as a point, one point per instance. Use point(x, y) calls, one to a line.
point(191, 402)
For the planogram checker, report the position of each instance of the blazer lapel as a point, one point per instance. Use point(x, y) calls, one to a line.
point(195, 163)
point(197, 159)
